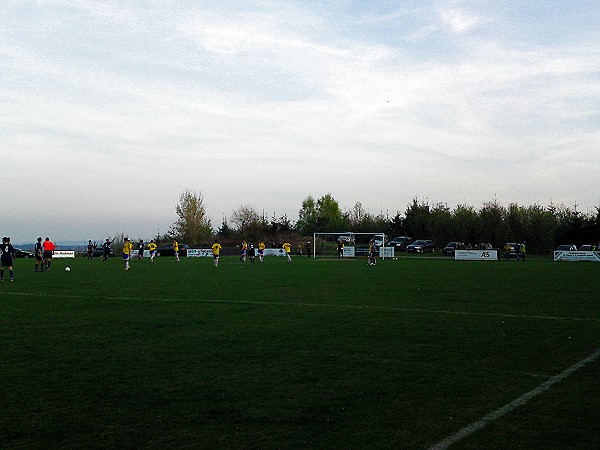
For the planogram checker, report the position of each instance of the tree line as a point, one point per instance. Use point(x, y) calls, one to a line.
point(542, 227)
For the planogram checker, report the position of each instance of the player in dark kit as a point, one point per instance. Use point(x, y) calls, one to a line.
point(141, 249)
point(90, 249)
point(106, 247)
point(7, 253)
point(38, 249)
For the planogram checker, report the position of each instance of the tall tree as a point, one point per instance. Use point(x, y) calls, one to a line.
point(307, 217)
point(192, 225)
point(417, 218)
point(329, 215)
point(250, 224)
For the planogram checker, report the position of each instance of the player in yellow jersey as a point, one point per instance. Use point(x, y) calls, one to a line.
point(244, 249)
point(372, 252)
point(127, 249)
point(176, 249)
point(152, 248)
point(288, 250)
point(261, 250)
point(216, 250)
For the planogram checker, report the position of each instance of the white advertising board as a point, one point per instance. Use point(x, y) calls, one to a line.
point(386, 252)
point(273, 252)
point(476, 255)
point(199, 253)
point(348, 252)
point(136, 253)
point(63, 254)
point(571, 255)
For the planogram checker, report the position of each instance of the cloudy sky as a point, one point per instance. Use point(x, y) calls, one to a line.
point(110, 109)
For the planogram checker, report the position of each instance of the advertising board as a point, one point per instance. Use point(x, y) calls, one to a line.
point(576, 256)
point(476, 255)
point(63, 254)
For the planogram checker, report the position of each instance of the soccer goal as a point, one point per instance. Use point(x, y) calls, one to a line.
point(326, 245)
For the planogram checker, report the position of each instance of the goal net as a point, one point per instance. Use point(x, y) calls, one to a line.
point(326, 245)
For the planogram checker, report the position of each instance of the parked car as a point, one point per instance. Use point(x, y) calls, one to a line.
point(167, 250)
point(449, 249)
point(19, 253)
point(380, 239)
point(400, 242)
point(346, 238)
point(421, 246)
point(567, 247)
point(99, 251)
point(586, 248)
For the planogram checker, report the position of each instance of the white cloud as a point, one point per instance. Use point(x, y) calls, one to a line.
point(459, 21)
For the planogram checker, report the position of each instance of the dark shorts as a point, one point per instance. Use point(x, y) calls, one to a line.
point(39, 257)
point(216, 256)
point(47, 254)
point(6, 262)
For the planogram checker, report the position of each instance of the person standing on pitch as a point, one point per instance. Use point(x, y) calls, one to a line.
point(90, 249)
point(152, 248)
point(38, 250)
point(522, 252)
point(372, 250)
point(308, 248)
point(261, 250)
point(244, 249)
point(140, 249)
point(49, 247)
point(127, 249)
point(251, 252)
point(106, 249)
point(216, 250)
point(176, 249)
point(340, 248)
point(288, 250)
point(7, 253)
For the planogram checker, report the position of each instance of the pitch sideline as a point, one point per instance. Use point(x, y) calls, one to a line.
point(509, 407)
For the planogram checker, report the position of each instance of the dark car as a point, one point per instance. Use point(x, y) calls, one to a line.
point(451, 247)
point(401, 242)
point(23, 253)
point(421, 246)
point(586, 248)
point(167, 250)
point(567, 247)
point(99, 251)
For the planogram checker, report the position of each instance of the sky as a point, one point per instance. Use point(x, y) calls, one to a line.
point(109, 110)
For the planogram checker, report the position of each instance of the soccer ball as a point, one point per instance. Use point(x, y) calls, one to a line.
point(67, 269)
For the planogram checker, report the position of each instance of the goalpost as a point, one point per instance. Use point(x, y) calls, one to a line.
point(325, 245)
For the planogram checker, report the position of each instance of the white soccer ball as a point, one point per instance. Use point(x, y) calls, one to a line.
point(67, 269)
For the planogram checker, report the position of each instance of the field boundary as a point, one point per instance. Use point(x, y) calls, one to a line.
point(509, 407)
point(314, 305)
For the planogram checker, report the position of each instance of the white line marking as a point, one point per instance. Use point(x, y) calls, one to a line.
point(312, 305)
point(478, 425)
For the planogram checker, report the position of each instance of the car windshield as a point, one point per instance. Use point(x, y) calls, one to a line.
point(419, 243)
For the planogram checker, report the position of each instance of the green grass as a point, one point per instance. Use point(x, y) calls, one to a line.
point(313, 354)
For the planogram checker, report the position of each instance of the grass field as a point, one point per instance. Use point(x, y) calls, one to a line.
point(313, 354)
